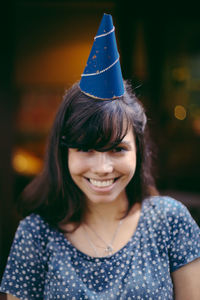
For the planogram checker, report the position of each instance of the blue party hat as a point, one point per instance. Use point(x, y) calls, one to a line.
point(102, 77)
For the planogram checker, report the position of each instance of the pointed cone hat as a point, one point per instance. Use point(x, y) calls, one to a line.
point(102, 77)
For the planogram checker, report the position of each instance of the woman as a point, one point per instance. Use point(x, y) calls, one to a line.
point(95, 229)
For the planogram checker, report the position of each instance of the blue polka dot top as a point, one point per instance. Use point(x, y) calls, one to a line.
point(43, 264)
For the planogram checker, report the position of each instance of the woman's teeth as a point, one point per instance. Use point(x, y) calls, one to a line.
point(101, 183)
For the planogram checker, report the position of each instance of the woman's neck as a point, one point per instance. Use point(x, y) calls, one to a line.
point(106, 213)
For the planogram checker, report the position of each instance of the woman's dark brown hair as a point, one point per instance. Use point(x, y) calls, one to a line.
point(86, 123)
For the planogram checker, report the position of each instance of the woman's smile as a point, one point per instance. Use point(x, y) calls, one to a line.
point(101, 186)
point(101, 183)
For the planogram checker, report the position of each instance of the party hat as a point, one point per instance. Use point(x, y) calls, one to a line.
point(102, 77)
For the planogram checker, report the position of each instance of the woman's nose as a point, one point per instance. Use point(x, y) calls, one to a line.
point(102, 163)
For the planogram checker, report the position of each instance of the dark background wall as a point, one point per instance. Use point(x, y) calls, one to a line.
point(44, 48)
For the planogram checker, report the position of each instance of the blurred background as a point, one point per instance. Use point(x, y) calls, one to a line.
point(44, 49)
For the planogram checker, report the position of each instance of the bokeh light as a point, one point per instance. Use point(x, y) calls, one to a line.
point(180, 112)
point(26, 163)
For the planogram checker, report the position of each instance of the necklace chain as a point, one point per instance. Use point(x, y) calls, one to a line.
point(109, 246)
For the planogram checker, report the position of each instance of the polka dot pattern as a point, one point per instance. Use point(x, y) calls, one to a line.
point(43, 264)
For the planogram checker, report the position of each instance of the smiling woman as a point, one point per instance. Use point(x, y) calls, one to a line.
point(95, 226)
point(92, 140)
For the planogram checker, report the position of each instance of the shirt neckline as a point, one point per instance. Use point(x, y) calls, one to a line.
point(134, 236)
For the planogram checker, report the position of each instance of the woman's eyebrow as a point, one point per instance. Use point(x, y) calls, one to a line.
point(125, 143)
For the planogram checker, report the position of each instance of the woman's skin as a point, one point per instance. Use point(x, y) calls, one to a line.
point(114, 169)
point(186, 281)
point(10, 297)
point(103, 177)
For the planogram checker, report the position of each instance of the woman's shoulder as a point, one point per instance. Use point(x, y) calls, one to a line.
point(35, 227)
point(170, 212)
point(165, 204)
point(33, 222)
point(179, 231)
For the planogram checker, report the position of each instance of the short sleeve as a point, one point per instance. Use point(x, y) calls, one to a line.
point(25, 269)
point(184, 242)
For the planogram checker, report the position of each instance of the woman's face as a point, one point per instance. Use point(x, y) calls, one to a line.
point(103, 176)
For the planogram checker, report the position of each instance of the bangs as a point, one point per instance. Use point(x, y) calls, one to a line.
point(101, 131)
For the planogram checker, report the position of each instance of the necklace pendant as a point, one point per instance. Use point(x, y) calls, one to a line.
point(109, 249)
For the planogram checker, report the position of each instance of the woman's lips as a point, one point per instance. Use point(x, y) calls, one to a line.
point(101, 185)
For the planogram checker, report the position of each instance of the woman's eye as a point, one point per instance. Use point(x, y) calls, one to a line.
point(119, 149)
point(84, 150)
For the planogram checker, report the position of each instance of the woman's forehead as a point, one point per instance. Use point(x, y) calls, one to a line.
point(100, 144)
point(103, 129)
